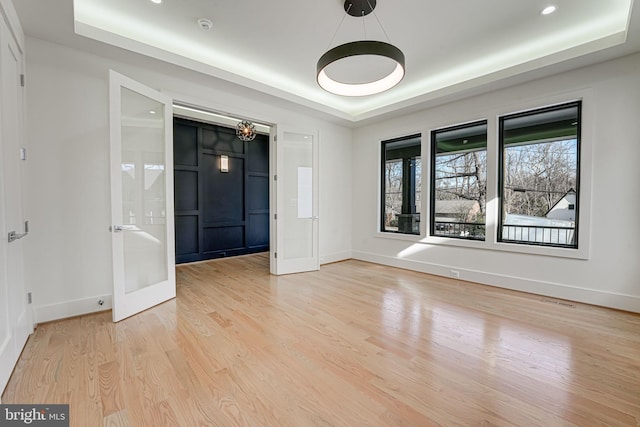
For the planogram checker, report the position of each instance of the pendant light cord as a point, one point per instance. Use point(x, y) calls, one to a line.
point(378, 19)
point(364, 24)
point(364, 27)
point(339, 25)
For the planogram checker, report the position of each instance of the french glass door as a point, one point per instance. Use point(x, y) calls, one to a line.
point(141, 197)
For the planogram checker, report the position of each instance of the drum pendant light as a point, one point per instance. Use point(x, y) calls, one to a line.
point(360, 8)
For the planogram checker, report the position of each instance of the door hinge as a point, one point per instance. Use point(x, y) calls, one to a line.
point(29, 298)
point(275, 216)
point(275, 177)
point(23, 153)
point(22, 80)
point(275, 254)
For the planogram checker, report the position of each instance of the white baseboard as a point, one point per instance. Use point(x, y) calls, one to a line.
point(335, 257)
point(49, 312)
point(554, 290)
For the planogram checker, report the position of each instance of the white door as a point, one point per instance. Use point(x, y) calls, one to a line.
point(296, 226)
point(141, 197)
point(15, 314)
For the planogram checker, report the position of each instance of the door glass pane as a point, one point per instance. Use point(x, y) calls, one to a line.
point(143, 191)
point(298, 189)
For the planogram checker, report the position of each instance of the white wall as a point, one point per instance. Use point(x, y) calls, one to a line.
point(68, 263)
point(609, 273)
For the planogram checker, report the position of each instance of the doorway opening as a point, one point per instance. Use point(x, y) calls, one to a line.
point(221, 186)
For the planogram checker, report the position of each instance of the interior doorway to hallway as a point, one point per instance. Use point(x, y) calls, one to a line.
point(221, 186)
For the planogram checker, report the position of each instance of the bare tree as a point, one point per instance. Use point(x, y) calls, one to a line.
point(394, 188)
point(537, 175)
point(393, 191)
point(463, 176)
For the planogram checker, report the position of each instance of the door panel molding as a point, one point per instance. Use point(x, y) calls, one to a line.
point(297, 202)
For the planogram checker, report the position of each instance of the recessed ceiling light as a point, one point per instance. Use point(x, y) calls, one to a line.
point(548, 10)
point(151, 112)
point(156, 1)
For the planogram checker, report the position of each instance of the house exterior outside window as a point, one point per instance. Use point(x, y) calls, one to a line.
point(401, 185)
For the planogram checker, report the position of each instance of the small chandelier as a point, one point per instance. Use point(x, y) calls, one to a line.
point(360, 8)
point(246, 131)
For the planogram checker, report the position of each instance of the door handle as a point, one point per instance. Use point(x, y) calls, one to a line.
point(315, 218)
point(121, 228)
point(13, 236)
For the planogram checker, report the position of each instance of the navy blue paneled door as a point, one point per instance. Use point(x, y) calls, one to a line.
point(218, 213)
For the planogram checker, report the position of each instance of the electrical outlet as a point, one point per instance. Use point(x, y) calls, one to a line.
point(454, 273)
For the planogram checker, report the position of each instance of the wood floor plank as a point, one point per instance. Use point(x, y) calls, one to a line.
point(116, 419)
point(353, 344)
point(111, 391)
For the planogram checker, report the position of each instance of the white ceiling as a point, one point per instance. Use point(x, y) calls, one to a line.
point(451, 47)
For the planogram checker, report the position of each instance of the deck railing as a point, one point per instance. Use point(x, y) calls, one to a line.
point(544, 235)
point(464, 230)
point(537, 234)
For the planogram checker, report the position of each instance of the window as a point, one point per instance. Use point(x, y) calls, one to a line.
point(401, 184)
point(459, 181)
point(539, 176)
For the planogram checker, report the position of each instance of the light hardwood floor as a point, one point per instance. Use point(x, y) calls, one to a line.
point(355, 344)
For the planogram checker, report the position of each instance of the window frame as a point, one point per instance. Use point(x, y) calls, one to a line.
point(491, 111)
point(382, 181)
point(433, 153)
point(501, 167)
